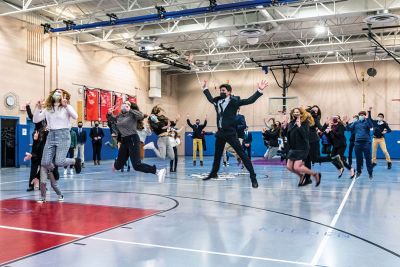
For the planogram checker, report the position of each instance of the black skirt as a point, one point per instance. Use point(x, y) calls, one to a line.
point(295, 154)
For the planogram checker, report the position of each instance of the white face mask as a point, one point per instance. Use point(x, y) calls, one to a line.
point(56, 96)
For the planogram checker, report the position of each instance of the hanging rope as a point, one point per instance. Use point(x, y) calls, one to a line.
point(354, 65)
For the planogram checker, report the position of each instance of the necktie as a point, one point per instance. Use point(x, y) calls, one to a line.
point(220, 105)
point(220, 113)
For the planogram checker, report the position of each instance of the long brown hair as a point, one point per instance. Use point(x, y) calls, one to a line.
point(156, 110)
point(140, 123)
point(304, 116)
point(49, 103)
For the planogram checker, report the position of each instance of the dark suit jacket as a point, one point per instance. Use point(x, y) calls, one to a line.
point(248, 139)
point(93, 134)
point(81, 138)
point(241, 125)
point(229, 122)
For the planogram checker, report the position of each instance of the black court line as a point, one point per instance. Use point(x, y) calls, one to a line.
point(257, 208)
point(88, 236)
point(215, 201)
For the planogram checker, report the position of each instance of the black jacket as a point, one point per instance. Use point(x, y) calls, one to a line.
point(336, 136)
point(272, 136)
point(379, 128)
point(314, 137)
point(82, 137)
point(299, 137)
point(39, 125)
point(197, 129)
point(94, 133)
point(229, 122)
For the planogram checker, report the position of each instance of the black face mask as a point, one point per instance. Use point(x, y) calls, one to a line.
point(198, 123)
point(223, 95)
point(79, 126)
point(96, 125)
point(335, 120)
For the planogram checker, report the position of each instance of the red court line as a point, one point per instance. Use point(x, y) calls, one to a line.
point(69, 218)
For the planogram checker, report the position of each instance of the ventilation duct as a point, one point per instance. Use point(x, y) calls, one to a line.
point(155, 82)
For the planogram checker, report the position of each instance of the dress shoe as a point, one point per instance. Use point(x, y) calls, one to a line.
point(210, 176)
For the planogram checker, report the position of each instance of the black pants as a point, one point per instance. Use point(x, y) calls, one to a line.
point(231, 138)
point(35, 171)
point(97, 150)
point(174, 163)
point(338, 158)
point(130, 148)
point(314, 156)
point(247, 150)
point(70, 155)
point(351, 147)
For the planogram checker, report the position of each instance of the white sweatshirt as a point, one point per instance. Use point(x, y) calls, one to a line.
point(59, 118)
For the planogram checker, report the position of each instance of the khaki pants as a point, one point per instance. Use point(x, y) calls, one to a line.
point(81, 149)
point(197, 143)
point(381, 142)
point(229, 148)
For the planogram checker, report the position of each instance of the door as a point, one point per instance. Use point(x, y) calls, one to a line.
point(8, 142)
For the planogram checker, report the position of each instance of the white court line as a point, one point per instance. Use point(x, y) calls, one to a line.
point(158, 246)
point(13, 182)
point(324, 241)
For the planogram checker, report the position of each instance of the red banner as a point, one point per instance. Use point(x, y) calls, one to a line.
point(118, 99)
point(105, 104)
point(92, 104)
point(131, 99)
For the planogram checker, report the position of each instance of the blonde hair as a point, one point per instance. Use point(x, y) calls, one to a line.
point(304, 116)
point(49, 103)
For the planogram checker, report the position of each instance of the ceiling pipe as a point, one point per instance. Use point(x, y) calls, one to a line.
point(176, 14)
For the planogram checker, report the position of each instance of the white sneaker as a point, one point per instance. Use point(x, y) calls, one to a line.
point(149, 146)
point(71, 171)
point(65, 172)
point(60, 198)
point(161, 175)
point(42, 200)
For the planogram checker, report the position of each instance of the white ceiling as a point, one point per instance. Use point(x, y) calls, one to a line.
point(289, 29)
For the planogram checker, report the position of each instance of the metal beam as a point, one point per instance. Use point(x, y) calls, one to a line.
point(175, 14)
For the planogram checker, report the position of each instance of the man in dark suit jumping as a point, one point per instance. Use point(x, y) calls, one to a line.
point(226, 105)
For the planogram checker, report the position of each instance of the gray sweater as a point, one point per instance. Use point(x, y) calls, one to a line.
point(127, 122)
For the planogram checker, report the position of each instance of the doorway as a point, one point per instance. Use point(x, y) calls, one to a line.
point(8, 142)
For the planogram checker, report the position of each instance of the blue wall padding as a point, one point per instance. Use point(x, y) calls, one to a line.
point(258, 147)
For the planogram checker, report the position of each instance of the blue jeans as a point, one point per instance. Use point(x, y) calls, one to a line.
point(363, 149)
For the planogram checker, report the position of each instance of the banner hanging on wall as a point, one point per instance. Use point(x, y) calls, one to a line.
point(118, 99)
point(131, 99)
point(91, 104)
point(105, 104)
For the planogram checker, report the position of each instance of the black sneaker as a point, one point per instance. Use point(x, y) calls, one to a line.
point(129, 169)
point(78, 165)
point(225, 164)
point(358, 174)
point(254, 182)
point(373, 165)
point(30, 189)
point(371, 176)
point(389, 165)
point(210, 176)
point(201, 163)
point(194, 163)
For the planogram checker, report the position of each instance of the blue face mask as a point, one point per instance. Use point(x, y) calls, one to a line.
point(361, 118)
